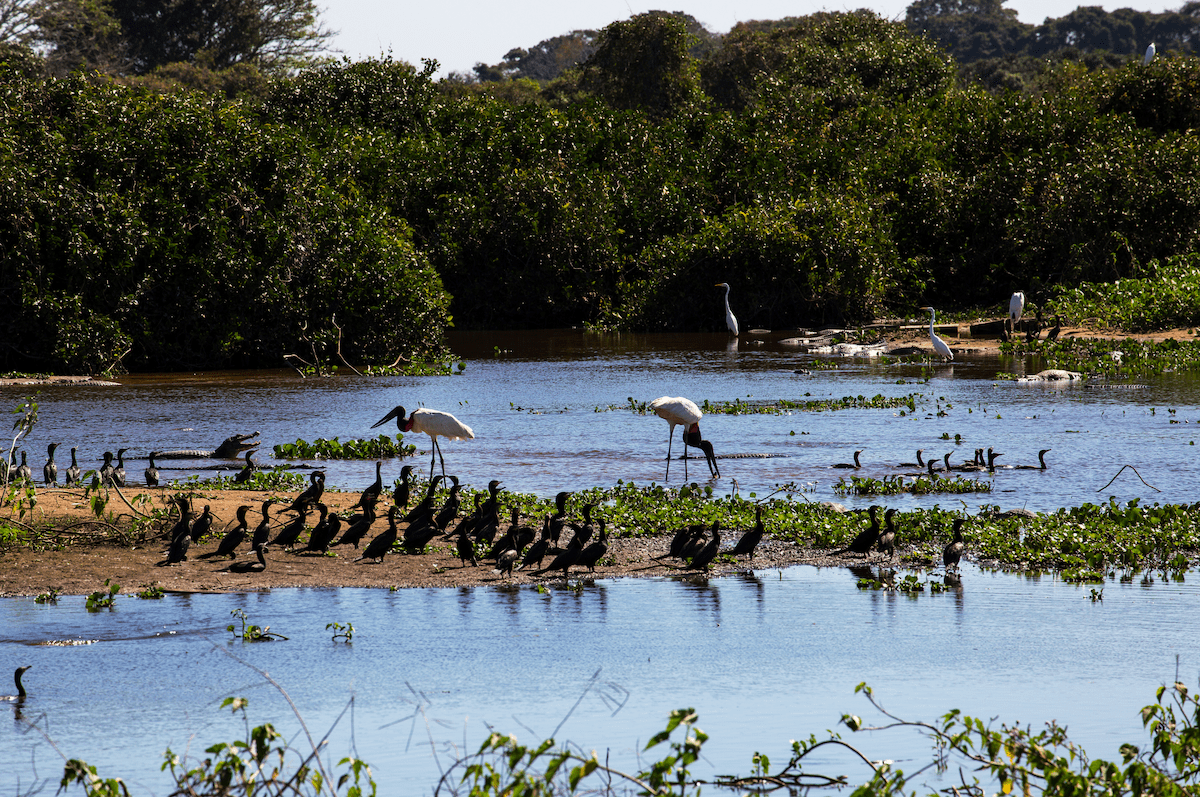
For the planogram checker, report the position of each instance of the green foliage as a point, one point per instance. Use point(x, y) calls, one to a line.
point(49, 596)
point(382, 447)
point(1169, 296)
point(105, 598)
point(249, 632)
point(920, 485)
point(341, 631)
point(263, 480)
point(1113, 358)
point(151, 592)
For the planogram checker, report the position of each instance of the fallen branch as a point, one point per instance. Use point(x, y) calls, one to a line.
point(1135, 470)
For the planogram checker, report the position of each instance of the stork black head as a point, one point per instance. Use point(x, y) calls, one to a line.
point(397, 413)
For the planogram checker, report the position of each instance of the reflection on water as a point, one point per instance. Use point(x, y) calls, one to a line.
point(763, 658)
point(550, 412)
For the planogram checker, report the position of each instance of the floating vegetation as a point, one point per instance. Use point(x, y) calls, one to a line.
point(151, 592)
point(909, 584)
point(784, 406)
point(104, 598)
point(433, 368)
point(249, 632)
point(1114, 359)
point(382, 447)
point(920, 485)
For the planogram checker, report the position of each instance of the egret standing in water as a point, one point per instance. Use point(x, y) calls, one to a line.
point(939, 345)
point(434, 423)
point(730, 321)
point(679, 411)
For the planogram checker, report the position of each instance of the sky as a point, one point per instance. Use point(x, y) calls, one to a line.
point(466, 32)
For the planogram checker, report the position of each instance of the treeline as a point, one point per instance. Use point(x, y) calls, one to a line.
point(831, 170)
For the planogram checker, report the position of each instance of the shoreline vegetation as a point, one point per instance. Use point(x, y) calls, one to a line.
point(833, 169)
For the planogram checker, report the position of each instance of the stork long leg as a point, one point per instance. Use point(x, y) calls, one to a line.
point(440, 457)
point(685, 456)
point(433, 452)
point(670, 439)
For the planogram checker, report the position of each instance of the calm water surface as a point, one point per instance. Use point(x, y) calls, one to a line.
point(764, 657)
point(549, 410)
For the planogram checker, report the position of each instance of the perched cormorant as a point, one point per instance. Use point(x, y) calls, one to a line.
point(118, 475)
point(106, 469)
point(593, 553)
point(356, 531)
point(243, 475)
point(152, 472)
point(202, 524)
point(449, 510)
point(325, 531)
point(537, 552)
point(401, 494)
point(751, 538)
point(887, 540)
point(263, 530)
point(865, 539)
point(559, 519)
point(311, 495)
point(371, 494)
point(704, 557)
point(953, 552)
point(234, 537)
point(24, 472)
point(74, 472)
point(50, 469)
point(465, 546)
point(290, 533)
point(564, 559)
point(378, 547)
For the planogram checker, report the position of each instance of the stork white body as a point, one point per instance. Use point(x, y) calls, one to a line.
point(434, 423)
point(1016, 306)
point(677, 411)
point(939, 345)
point(730, 323)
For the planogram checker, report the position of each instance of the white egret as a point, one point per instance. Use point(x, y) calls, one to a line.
point(1149, 55)
point(939, 345)
point(679, 411)
point(730, 321)
point(434, 423)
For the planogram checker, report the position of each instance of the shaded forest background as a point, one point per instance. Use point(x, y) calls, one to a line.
point(219, 192)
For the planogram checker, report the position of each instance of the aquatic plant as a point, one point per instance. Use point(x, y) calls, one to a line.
point(382, 447)
point(785, 406)
point(1168, 298)
point(104, 598)
point(251, 633)
point(921, 485)
point(341, 631)
point(151, 592)
point(49, 596)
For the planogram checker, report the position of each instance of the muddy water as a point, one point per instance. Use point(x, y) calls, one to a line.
point(549, 410)
point(763, 658)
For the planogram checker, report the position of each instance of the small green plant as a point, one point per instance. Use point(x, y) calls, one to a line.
point(340, 631)
point(250, 632)
point(103, 599)
point(151, 592)
point(49, 596)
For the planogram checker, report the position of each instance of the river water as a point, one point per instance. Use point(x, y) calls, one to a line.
point(763, 657)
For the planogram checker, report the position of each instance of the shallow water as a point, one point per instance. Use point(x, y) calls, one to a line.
point(763, 658)
point(541, 405)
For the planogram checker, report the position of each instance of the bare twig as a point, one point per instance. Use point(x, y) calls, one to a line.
point(333, 320)
point(1135, 470)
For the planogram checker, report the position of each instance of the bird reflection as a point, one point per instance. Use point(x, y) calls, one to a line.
point(705, 595)
point(756, 586)
point(465, 596)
